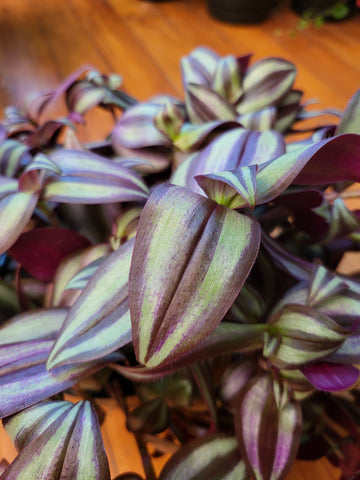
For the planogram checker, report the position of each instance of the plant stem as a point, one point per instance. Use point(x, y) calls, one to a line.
point(145, 458)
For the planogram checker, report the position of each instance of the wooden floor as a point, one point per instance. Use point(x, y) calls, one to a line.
point(41, 42)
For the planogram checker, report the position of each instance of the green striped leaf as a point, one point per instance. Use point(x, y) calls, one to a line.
point(298, 335)
point(266, 83)
point(212, 457)
point(13, 156)
point(57, 441)
point(350, 121)
point(99, 321)
point(27, 343)
point(268, 427)
point(16, 209)
point(233, 189)
point(191, 258)
point(89, 178)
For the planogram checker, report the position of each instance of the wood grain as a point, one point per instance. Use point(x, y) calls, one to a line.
point(42, 42)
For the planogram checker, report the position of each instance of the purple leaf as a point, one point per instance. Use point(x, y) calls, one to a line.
point(41, 251)
point(233, 188)
point(268, 427)
point(266, 83)
point(24, 379)
point(180, 290)
point(99, 321)
point(231, 150)
point(13, 156)
point(16, 209)
point(206, 105)
point(331, 376)
point(57, 440)
point(211, 457)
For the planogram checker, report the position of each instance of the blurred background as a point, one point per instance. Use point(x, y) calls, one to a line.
point(41, 43)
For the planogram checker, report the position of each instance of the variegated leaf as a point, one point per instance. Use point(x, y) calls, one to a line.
point(99, 321)
point(24, 350)
point(57, 441)
point(233, 149)
point(207, 105)
point(266, 83)
point(136, 127)
point(323, 284)
point(233, 188)
point(227, 80)
point(298, 335)
point(350, 121)
point(68, 270)
point(208, 458)
point(16, 209)
point(89, 178)
point(13, 156)
point(268, 429)
point(191, 257)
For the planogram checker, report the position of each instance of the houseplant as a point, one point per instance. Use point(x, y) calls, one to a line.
point(240, 11)
point(188, 260)
point(323, 10)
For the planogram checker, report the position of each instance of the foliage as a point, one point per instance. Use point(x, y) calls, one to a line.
point(189, 259)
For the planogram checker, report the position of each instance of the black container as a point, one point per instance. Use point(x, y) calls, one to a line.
point(318, 6)
point(240, 11)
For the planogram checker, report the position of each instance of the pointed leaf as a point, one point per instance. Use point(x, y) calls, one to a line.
point(259, 121)
point(331, 376)
point(231, 150)
point(152, 416)
point(208, 458)
point(59, 441)
point(228, 78)
point(323, 284)
point(350, 121)
point(40, 251)
point(16, 210)
point(90, 178)
point(99, 321)
point(266, 83)
point(226, 338)
point(268, 432)
point(13, 156)
point(24, 379)
point(136, 127)
point(233, 188)
point(180, 291)
point(299, 335)
point(207, 105)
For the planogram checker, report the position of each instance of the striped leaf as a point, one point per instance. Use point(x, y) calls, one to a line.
point(233, 189)
point(207, 105)
point(16, 209)
point(89, 178)
point(228, 78)
point(266, 83)
point(227, 338)
point(298, 335)
point(13, 156)
point(324, 284)
point(212, 457)
point(268, 429)
point(99, 321)
point(191, 257)
point(136, 127)
point(232, 150)
point(57, 441)
point(350, 121)
point(24, 379)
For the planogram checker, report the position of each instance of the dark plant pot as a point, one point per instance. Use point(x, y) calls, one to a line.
point(318, 6)
point(240, 11)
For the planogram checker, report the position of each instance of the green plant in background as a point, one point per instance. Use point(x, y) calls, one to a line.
point(188, 259)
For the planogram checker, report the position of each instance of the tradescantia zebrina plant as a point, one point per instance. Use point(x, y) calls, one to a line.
point(186, 266)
